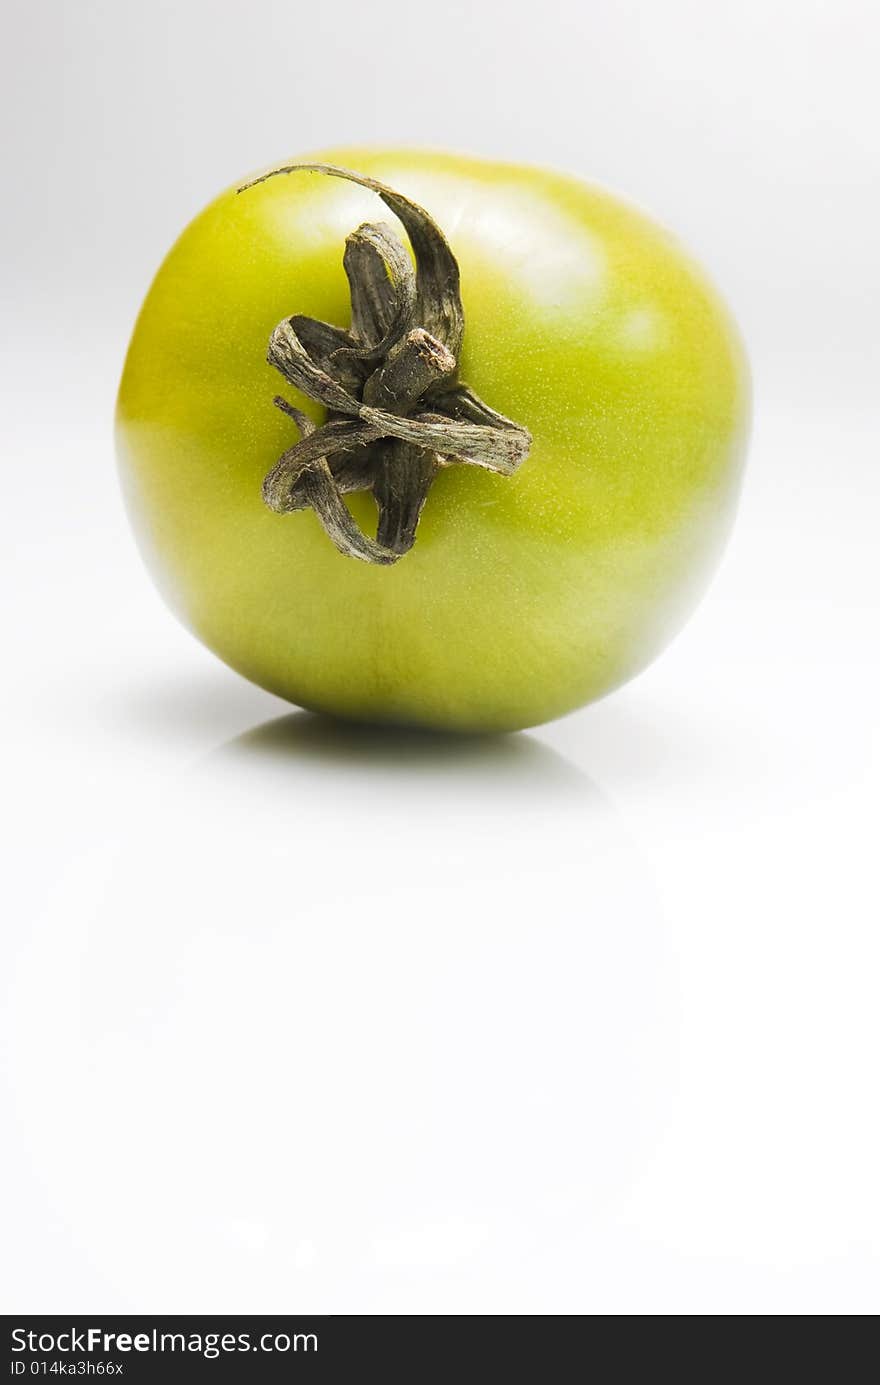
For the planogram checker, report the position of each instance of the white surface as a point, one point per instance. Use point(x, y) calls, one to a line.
point(606, 1040)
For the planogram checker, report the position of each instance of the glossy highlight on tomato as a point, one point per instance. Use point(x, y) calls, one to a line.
point(523, 596)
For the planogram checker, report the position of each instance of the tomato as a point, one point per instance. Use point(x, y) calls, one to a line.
point(522, 595)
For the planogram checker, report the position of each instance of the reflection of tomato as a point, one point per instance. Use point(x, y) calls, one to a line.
point(523, 597)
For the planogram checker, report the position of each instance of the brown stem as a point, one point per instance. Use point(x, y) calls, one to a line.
point(396, 409)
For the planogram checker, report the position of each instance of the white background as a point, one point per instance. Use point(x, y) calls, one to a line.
point(583, 1020)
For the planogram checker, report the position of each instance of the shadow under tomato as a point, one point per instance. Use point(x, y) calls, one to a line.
point(209, 708)
point(309, 737)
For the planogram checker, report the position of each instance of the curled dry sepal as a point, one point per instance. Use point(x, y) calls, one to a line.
point(396, 410)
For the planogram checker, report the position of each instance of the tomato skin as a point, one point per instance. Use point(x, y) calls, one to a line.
point(523, 597)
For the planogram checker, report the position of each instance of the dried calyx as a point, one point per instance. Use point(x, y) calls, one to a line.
point(396, 410)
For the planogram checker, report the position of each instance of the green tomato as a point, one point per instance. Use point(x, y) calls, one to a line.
point(523, 596)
